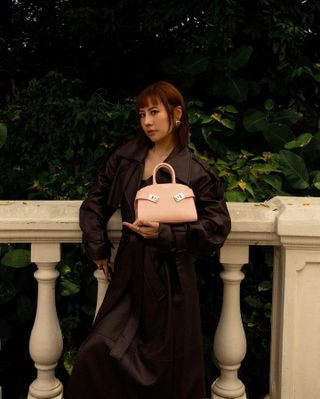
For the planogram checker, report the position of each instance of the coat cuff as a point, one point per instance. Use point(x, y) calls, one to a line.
point(97, 250)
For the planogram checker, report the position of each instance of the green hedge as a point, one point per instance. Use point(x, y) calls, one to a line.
point(52, 141)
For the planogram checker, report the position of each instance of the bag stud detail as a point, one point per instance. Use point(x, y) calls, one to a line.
point(178, 197)
point(153, 198)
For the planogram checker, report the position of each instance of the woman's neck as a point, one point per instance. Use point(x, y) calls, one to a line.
point(163, 148)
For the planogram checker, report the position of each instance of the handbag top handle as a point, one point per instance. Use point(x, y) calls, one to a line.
point(166, 166)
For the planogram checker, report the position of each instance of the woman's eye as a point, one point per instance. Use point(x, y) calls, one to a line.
point(154, 112)
point(141, 115)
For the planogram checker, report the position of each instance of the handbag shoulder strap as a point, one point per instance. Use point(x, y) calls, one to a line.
point(166, 166)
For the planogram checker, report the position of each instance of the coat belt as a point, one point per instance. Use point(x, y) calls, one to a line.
point(138, 274)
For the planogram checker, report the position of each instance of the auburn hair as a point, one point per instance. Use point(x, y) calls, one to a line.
point(171, 98)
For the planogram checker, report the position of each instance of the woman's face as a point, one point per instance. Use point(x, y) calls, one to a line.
point(155, 122)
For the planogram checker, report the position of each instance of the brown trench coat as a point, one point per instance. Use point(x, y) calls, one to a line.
point(146, 339)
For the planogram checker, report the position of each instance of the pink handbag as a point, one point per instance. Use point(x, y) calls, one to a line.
point(167, 202)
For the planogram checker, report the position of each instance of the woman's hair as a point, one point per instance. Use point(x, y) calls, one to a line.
point(171, 98)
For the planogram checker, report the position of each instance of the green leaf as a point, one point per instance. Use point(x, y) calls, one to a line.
point(255, 121)
point(312, 150)
point(237, 89)
point(3, 134)
point(274, 181)
point(287, 117)
point(246, 153)
point(196, 103)
point(301, 141)
point(68, 287)
point(239, 58)
point(294, 169)
point(64, 267)
point(206, 132)
point(249, 188)
point(231, 109)
point(205, 119)
point(99, 152)
point(89, 309)
point(69, 154)
point(68, 360)
point(16, 258)
point(235, 196)
point(194, 64)
point(230, 124)
point(194, 118)
point(254, 302)
point(317, 77)
point(192, 146)
point(316, 180)
point(216, 145)
point(264, 168)
point(265, 286)
point(277, 135)
point(269, 104)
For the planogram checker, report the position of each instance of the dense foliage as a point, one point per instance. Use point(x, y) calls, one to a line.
point(69, 73)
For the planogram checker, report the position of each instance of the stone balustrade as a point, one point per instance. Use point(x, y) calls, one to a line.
point(290, 224)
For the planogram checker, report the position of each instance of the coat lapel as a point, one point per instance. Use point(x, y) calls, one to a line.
point(180, 160)
point(127, 179)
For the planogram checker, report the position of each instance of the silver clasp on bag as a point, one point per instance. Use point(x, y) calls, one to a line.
point(178, 197)
point(153, 198)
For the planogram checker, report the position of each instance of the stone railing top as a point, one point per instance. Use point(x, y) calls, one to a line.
point(299, 216)
point(252, 223)
point(31, 213)
point(30, 221)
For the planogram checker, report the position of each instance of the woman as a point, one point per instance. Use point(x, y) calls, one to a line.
point(146, 338)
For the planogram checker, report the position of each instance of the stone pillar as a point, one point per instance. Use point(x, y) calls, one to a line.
point(46, 339)
point(102, 288)
point(230, 340)
point(295, 339)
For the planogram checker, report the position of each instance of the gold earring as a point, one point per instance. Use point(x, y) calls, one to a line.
point(178, 123)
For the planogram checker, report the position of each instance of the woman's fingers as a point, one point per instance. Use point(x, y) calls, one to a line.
point(132, 226)
point(106, 272)
point(102, 264)
point(146, 229)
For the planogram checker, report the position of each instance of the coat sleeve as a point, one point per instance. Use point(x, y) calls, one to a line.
point(212, 227)
point(95, 212)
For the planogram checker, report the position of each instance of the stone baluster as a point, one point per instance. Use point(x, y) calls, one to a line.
point(46, 339)
point(102, 288)
point(230, 340)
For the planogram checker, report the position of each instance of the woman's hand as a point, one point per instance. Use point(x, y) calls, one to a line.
point(102, 264)
point(148, 230)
